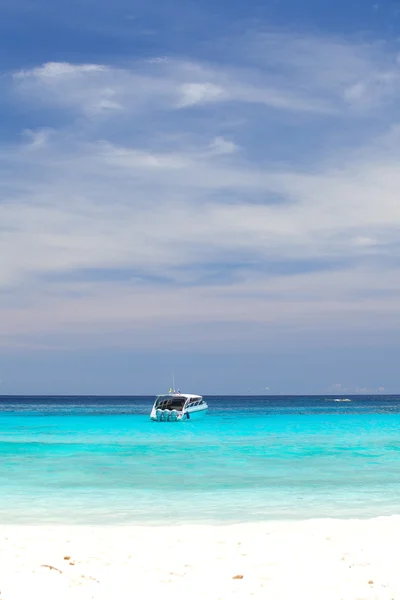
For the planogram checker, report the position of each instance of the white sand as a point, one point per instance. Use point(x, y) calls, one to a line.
point(320, 559)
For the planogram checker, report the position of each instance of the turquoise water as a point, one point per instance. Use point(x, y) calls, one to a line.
point(101, 460)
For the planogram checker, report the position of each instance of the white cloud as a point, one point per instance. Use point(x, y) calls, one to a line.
point(364, 75)
point(137, 201)
point(283, 72)
point(356, 91)
point(222, 146)
point(91, 89)
point(37, 138)
point(365, 241)
point(162, 216)
point(197, 93)
point(58, 70)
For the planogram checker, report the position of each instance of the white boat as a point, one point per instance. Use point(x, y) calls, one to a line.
point(178, 407)
point(342, 400)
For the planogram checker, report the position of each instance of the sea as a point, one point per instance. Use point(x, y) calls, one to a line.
point(100, 460)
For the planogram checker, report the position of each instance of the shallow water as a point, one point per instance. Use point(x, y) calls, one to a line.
point(101, 460)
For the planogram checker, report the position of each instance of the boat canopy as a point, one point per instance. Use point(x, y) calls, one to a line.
point(176, 401)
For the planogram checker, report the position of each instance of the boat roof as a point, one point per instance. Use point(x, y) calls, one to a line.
point(176, 395)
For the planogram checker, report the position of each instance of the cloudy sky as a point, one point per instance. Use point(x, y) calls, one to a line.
point(206, 187)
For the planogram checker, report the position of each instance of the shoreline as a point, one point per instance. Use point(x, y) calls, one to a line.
point(324, 559)
point(198, 524)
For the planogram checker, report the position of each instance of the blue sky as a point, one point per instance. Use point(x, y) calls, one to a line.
point(206, 187)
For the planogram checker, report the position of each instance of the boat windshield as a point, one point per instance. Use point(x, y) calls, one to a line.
point(170, 402)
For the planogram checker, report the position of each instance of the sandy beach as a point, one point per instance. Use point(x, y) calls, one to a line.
point(321, 559)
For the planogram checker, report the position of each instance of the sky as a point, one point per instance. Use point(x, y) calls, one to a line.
point(209, 188)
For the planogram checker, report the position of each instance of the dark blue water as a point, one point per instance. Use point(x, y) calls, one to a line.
point(101, 460)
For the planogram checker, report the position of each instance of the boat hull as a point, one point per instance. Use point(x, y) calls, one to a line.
point(189, 415)
point(194, 415)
